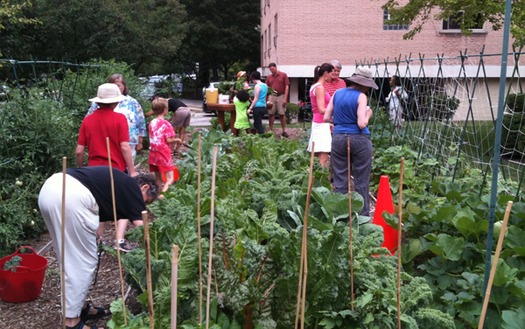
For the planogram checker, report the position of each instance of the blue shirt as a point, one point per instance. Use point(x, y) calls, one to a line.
point(345, 112)
point(261, 101)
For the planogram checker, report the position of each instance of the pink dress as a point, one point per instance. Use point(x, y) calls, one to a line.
point(159, 150)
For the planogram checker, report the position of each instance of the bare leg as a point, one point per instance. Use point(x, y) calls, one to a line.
point(271, 119)
point(324, 159)
point(283, 122)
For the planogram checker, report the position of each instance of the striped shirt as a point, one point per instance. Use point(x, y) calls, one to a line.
point(333, 85)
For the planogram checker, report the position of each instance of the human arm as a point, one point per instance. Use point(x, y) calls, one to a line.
point(320, 98)
point(172, 141)
point(140, 122)
point(285, 98)
point(126, 152)
point(364, 112)
point(79, 154)
point(256, 91)
point(328, 113)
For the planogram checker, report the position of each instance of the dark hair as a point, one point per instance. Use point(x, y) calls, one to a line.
point(117, 76)
point(148, 179)
point(243, 95)
point(397, 80)
point(272, 65)
point(321, 69)
point(255, 75)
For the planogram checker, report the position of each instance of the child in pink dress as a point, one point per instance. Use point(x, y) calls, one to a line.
point(162, 141)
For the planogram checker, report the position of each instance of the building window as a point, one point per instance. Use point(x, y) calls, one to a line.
point(269, 38)
point(454, 22)
point(275, 31)
point(388, 26)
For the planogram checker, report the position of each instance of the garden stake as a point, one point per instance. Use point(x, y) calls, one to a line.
point(199, 225)
point(116, 231)
point(399, 232)
point(350, 213)
point(62, 244)
point(148, 269)
point(174, 285)
point(494, 264)
point(303, 270)
point(212, 219)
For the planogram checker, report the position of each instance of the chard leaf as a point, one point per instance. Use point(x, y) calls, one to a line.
point(504, 273)
point(449, 247)
point(412, 249)
point(514, 319)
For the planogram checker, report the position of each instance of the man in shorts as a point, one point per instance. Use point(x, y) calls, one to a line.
point(280, 85)
point(180, 118)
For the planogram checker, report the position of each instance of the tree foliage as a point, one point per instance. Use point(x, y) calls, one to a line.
point(418, 12)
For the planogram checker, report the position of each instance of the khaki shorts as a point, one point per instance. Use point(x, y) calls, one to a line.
point(181, 117)
point(277, 105)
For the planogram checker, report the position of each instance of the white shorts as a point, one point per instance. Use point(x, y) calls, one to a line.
point(322, 136)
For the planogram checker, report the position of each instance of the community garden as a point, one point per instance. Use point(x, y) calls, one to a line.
point(253, 195)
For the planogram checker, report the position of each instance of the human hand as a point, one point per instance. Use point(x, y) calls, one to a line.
point(138, 147)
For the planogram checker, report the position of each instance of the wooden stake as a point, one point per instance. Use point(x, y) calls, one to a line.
point(212, 222)
point(351, 224)
point(174, 285)
point(303, 267)
point(62, 243)
point(116, 232)
point(149, 286)
point(399, 234)
point(494, 265)
point(199, 226)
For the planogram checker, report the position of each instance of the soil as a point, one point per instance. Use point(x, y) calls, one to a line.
point(45, 311)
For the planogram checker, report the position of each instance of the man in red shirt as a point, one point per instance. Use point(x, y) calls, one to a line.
point(280, 84)
point(336, 83)
point(105, 123)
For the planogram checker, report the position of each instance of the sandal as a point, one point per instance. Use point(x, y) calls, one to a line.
point(100, 313)
point(81, 324)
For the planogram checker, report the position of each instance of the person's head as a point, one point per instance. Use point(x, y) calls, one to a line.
point(362, 79)
point(148, 187)
point(255, 75)
point(323, 71)
point(159, 106)
point(108, 94)
point(241, 74)
point(273, 68)
point(395, 81)
point(243, 95)
point(337, 68)
point(119, 80)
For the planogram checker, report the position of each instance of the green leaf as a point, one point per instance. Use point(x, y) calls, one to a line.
point(449, 247)
point(412, 249)
point(504, 273)
point(514, 319)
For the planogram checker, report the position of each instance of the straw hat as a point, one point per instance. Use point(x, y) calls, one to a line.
point(240, 74)
point(363, 76)
point(108, 93)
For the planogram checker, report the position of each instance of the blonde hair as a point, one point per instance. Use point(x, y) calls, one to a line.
point(158, 105)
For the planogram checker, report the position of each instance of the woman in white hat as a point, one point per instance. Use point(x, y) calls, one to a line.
point(349, 111)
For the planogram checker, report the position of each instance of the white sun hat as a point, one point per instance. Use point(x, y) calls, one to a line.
point(108, 93)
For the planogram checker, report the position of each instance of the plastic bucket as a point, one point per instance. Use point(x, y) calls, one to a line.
point(176, 175)
point(25, 284)
point(212, 95)
point(224, 99)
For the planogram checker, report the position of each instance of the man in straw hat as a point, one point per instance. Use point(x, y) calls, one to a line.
point(88, 201)
point(349, 111)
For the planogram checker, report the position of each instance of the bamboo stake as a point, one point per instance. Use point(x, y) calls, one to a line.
point(116, 232)
point(494, 265)
point(199, 226)
point(149, 286)
point(212, 219)
point(351, 224)
point(62, 243)
point(303, 267)
point(174, 285)
point(399, 233)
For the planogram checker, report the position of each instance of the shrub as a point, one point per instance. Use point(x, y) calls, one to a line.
point(512, 140)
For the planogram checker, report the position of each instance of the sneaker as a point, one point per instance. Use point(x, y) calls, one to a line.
point(123, 246)
point(284, 134)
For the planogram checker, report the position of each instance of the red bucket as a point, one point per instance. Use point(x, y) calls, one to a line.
point(25, 284)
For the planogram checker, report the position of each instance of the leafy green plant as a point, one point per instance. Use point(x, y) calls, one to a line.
point(12, 263)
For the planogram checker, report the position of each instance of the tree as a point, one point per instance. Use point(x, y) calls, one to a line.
point(418, 12)
point(11, 14)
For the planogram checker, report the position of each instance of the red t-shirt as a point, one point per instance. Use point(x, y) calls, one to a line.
point(103, 123)
point(278, 82)
point(334, 85)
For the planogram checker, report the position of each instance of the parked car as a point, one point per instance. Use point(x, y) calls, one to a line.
point(305, 112)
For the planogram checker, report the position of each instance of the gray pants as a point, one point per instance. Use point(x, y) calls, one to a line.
point(361, 165)
point(81, 223)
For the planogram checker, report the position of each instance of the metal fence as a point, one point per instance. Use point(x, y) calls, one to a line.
point(451, 109)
